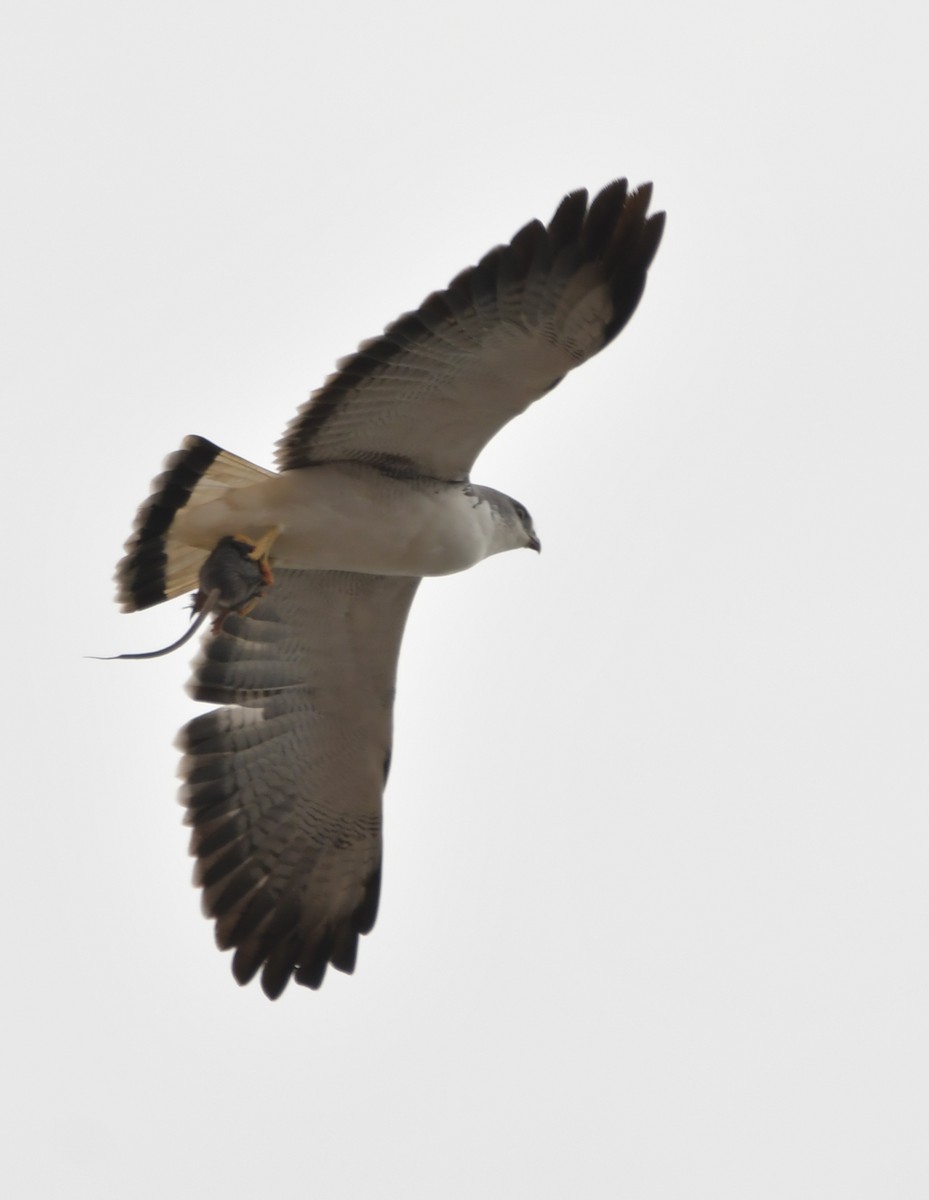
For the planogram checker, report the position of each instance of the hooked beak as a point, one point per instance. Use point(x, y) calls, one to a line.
point(534, 544)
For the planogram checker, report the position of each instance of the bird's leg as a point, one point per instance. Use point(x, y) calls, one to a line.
point(259, 551)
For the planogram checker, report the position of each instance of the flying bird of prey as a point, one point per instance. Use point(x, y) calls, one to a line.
point(309, 572)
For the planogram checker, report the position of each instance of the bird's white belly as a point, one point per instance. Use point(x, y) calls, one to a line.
point(347, 517)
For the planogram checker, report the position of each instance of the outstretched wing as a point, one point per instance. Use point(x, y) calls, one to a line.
point(283, 788)
point(428, 395)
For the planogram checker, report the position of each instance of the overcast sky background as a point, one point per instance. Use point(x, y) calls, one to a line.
point(655, 918)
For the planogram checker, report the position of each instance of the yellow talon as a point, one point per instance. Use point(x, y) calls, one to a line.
point(240, 612)
point(258, 551)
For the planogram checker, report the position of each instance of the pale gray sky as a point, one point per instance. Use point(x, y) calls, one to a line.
point(655, 919)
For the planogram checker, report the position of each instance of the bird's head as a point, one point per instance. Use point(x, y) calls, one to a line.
point(525, 522)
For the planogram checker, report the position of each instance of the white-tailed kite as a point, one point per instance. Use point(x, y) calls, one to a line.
point(310, 572)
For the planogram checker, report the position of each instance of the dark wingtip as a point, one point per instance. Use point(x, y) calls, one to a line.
point(633, 245)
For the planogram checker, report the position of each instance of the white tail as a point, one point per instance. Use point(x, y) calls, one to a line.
point(157, 566)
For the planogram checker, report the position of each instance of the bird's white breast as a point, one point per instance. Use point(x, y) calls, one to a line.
point(349, 517)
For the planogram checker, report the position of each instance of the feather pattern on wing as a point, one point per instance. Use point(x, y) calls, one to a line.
point(283, 787)
point(426, 396)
